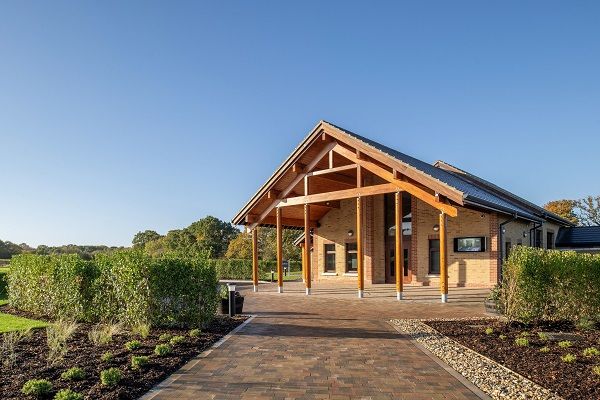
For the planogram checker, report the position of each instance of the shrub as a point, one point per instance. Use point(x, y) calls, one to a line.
point(162, 350)
point(111, 376)
point(502, 337)
point(489, 331)
point(133, 345)
point(195, 333)
point(142, 330)
point(585, 324)
point(524, 334)
point(175, 340)
point(68, 394)
point(106, 357)
point(522, 342)
point(591, 352)
point(545, 349)
point(568, 358)
point(9, 344)
point(56, 285)
point(57, 335)
point(565, 344)
point(126, 285)
point(596, 369)
point(165, 337)
point(37, 387)
point(550, 285)
point(73, 374)
point(103, 333)
point(543, 336)
point(138, 362)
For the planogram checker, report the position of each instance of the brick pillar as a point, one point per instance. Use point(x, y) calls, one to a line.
point(494, 249)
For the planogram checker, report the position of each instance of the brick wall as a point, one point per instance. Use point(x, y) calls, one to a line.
point(464, 269)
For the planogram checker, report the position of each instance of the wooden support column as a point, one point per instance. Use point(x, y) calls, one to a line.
point(255, 258)
point(279, 252)
point(398, 253)
point(443, 259)
point(359, 248)
point(307, 260)
point(303, 262)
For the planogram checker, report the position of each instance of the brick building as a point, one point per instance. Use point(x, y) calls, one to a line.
point(350, 194)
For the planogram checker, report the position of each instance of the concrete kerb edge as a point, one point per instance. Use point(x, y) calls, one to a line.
point(467, 383)
point(190, 364)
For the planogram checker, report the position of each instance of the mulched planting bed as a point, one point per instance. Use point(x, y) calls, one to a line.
point(574, 380)
point(31, 360)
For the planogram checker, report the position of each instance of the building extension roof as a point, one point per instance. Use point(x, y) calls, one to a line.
point(578, 237)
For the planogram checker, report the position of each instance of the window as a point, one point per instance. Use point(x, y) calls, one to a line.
point(549, 240)
point(537, 238)
point(434, 256)
point(507, 247)
point(329, 252)
point(469, 244)
point(351, 257)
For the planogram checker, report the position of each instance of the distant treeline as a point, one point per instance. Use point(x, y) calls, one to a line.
point(9, 249)
point(209, 237)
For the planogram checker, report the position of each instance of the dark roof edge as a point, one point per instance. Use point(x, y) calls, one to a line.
point(500, 209)
point(534, 208)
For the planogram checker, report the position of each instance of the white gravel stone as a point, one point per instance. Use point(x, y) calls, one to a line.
point(492, 378)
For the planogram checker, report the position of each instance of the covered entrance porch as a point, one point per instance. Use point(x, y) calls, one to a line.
point(330, 170)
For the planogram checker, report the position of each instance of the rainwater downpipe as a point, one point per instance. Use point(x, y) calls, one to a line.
point(501, 245)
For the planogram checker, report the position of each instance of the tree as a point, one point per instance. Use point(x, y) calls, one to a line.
point(564, 208)
point(213, 235)
point(142, 238)
point(9, 249)
point(241, 246)
point(588, 210)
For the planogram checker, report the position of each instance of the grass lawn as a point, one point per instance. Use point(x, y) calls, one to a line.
point(9, 322)
point(291, 276)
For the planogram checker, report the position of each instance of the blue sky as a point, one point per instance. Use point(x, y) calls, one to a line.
point(121, 116)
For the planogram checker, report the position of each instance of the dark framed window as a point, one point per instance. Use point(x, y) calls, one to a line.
point(549, 240)
point(469, 244)
point(351, 257)
point(434, 256)
point(537, 238)
point(507, 248)
point(329, 252)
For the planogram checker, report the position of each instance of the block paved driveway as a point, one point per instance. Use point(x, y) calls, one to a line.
point(330, 345)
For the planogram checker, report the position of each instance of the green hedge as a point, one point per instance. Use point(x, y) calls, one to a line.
point(127, 286)
point(550, 285)
point(3, 283)
point(242, 269)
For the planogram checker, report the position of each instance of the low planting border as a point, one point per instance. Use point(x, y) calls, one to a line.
point(491, 377)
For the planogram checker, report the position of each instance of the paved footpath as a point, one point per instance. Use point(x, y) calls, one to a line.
point(330, 345)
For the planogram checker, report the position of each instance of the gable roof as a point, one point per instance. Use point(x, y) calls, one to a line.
point(578, 237)
point(467, 188)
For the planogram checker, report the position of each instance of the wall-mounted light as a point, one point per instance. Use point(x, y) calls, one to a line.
point(350, 233)
point(436, 228)
point(524, 234)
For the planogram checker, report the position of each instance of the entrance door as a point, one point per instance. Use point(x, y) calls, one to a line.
point(390, 237)
point(390, 262)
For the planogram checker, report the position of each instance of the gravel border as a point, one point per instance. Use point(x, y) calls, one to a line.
point(494, 379)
